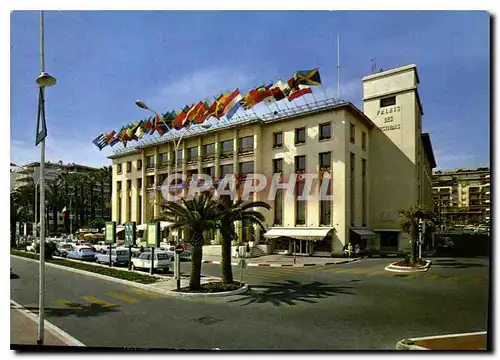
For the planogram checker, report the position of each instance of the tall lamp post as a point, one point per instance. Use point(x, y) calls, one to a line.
point(43, 81)
point(177, 143)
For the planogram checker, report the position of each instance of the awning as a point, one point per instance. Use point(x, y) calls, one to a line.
point(120, 228)
point(163, 225)
point(364, 232)
point(141, 227)
point(298, 233)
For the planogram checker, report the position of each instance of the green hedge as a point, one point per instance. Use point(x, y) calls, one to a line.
point(119, 274)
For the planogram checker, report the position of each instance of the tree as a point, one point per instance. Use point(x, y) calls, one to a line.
point(53, 196)
point(107, 174)
point(229, 213)
point(21, 204)
point(409, 219)
point(199, 215)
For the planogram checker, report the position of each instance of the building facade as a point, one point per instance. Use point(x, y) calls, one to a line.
point(369, 170)
point(462, 197)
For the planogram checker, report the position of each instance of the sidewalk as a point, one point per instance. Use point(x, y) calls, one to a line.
point(24, 331)
point(282, 260)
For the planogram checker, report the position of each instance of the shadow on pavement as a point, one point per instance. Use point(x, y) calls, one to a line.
point(76, 309)
point(454, 264)
point(291, 292)
point(14, 276)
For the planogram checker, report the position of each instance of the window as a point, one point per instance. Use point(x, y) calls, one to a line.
point(227, 147)
point(139, 164)
point(325, 160)
point(192, 154)
point(326, 210)
point(119, 186)
point(300, 136)
point(389, 101)
point(179, 154)
point(300, 163)
point(278, 207)
point(150, 162)
point(208, 150)
point(277, 139)
point(325, 131)
point(139, 183)
point(246, 167)
point(163, 159)
point(277, 166)
point(363, 140)
point(150, 181)
point(129, 184)
point(245, 144)
point(300, 205)
point(353, 133)
point(226, 169)
point(119, 168)
point(129, 166)
point(210, 171)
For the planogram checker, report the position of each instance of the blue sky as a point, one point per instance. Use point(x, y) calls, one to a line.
point(105, 60)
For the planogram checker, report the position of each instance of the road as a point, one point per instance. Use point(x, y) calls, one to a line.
point(355, 306)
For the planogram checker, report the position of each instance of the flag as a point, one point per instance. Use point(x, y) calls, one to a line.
point(199, 116)
point(114, 141)
point(232, 100)
point(252, 98)
point(235, 108)
point(307, 77)
point(108, 205)
point(168, 117)
point(211, 110)
point(148, 125)
point(179, 119)
point(65, 211)
point(192, 113)
point(99, 141)
point(219, 108)
point(139, 132)
point(109, 137)
point(300, 92)
point(280, 90)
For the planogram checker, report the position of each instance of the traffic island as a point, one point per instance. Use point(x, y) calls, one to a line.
point(468, 341)
point(403, 266)
point(212, 289)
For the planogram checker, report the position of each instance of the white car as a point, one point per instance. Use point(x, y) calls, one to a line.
point(162, 261)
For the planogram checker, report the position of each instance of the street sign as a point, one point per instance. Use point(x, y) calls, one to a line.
point(153, 235)
point(110, 232)
point(179, 249)
point(130, 234)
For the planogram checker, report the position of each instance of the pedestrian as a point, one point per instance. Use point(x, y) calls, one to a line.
point(349, 249)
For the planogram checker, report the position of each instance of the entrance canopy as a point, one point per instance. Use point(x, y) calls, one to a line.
point(298, 233)
point(364, 232)
point(163, 225)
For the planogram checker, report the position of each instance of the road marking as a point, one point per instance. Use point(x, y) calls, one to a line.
point(94, 300)
point(146, 293)
point(122, 297)
point(66, 304)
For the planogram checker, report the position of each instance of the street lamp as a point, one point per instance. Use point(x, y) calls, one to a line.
point(177, 143)
point(44, 80)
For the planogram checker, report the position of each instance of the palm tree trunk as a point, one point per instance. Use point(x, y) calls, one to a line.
point(13, 232)
point(54, 214)
point(227, 271)
point(102, 200)
point(195, 280)
point(413, 252)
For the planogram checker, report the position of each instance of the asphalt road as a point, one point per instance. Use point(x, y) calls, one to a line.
point(355, 306)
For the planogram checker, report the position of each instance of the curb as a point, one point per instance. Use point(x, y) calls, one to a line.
point(148, 287)
point(404, 269)
point(54, 330)
point(284, 265)
point(241, 290)
point(409, 344)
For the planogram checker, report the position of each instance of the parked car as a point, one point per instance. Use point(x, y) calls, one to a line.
point(63, 248)
point(31, 247)
point(118, 256)
point(162, 260)
point(81, 253)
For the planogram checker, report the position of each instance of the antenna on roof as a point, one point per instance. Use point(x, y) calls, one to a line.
point(374, 65)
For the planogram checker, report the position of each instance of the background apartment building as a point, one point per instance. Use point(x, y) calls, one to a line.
point(372, 170)
point(462, 197)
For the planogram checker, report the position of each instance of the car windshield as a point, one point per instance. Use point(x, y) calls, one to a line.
point(162, 256)
point(67, 246)
point(86, 250)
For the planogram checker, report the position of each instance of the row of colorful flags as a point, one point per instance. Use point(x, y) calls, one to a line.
point(226, 105)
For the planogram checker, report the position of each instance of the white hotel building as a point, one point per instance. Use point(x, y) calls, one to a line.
point(378, 160)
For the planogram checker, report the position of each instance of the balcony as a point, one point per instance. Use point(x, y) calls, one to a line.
point(150, 167)
point(226, 154)
point(209, 157)
point(245, 151)
point(192, 160)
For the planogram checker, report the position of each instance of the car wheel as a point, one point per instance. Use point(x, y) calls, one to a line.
point(97, 261)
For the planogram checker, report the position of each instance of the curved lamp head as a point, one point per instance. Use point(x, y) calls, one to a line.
point(45, 80)
point(141, 104)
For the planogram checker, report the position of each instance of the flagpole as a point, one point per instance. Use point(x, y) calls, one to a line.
point(314, 97)
point(338, 67)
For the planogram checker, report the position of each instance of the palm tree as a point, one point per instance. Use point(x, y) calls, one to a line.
point(199, 215)
point(409, 219)
point(107, 173)
point(53, 195)
point(229, 213)
point(21, 203)
point(101, 178)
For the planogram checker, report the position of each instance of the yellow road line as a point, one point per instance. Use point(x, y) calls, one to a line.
point(66, 304)
point(146, 293)
point(122, 297)
point(94, 300)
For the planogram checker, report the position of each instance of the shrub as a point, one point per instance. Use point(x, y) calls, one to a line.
point(214, 287)
point(49, 248)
